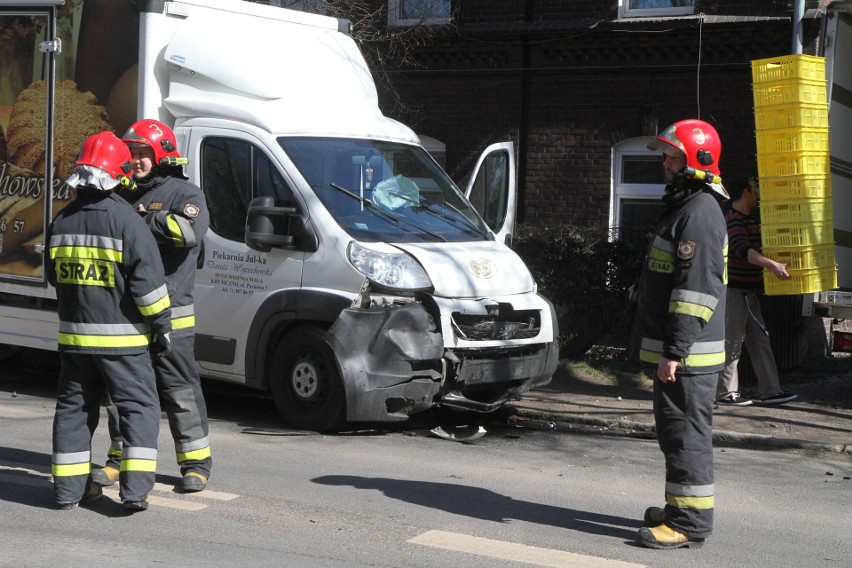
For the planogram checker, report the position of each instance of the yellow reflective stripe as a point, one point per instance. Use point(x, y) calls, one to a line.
point(650, 356)
point(155, 308)
point(660, 261)
point(86, 252)
point(184, 322)
point(104, 340)
point(725, 270)
point(147, 466)
point(114, 451)
point(174, 229)
point(705, 359)
point(682, 502)
point(70, 470)
point(690, 309)
point(201, 454)
point(696, 360)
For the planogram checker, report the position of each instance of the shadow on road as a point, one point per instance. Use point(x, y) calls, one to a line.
point(488, 505)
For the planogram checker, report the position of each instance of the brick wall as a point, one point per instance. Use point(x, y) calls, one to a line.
point(566, 93)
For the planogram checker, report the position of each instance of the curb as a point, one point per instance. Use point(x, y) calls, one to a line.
point(586, 424)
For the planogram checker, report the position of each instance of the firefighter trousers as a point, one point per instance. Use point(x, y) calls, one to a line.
point(683, 413)
point(179, 387)
point(130, 382)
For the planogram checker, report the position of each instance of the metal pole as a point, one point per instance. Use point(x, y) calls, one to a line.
point(798, 16)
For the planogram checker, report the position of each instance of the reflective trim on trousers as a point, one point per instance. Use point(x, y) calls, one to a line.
point(71, 464)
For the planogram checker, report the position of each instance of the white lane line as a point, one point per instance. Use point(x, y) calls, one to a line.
point(29, 479)
point(206, 494)
point(515, 552)
point(160, 501)
point(26, 470)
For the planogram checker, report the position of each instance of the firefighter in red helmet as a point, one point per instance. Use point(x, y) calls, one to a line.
point(176, 214)
point(680, 329)
point(113, 315)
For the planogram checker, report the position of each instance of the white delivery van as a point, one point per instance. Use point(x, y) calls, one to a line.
point(343, 271)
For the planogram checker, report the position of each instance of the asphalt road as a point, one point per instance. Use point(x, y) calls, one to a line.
point(405, 498)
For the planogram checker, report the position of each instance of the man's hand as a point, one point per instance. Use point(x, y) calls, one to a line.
point(161, 345)
point(666, 370)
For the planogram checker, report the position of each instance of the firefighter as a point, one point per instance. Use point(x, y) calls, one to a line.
point(176, 213)
point(113, 309)
point(681, 329)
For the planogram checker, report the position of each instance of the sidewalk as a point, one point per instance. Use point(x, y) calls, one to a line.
point(820, 419)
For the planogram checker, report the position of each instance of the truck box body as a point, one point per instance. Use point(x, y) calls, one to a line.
point(343, 270)
point(836, 43)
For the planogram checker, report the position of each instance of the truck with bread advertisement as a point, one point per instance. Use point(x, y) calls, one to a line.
point(343, 271)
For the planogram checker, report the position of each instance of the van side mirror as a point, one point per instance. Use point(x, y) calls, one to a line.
point(269, 225)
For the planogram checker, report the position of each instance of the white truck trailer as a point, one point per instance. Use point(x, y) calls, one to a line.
point(836, 46)
point(344, 272)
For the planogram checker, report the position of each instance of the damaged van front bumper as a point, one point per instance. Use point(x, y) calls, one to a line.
point(395, 361)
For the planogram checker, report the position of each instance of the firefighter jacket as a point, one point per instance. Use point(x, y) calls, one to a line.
point(682, 290)
point(176, 213)
point(109, 282)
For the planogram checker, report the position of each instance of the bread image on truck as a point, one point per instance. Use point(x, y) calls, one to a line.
point(343, 272)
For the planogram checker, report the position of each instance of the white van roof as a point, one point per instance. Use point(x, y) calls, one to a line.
point(281, 70)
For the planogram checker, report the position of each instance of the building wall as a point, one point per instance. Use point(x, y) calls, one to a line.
point(566, 81)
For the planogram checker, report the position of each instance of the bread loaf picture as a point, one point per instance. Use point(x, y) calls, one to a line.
point(78, 115)
point(86, 76)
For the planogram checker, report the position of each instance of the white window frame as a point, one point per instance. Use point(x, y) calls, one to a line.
point(625, 11)
point(394, 19)
point(621, 191)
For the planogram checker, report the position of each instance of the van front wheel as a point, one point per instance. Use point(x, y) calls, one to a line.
point(305, 383)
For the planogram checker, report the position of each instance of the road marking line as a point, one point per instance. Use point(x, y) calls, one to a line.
point(40, 481)
point(26, 470)
point(161, 501)
point(515, 552)
point(206, 494)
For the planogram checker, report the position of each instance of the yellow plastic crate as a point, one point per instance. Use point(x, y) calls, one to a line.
point(792, 164)
point(797, 66)
point(791, 115)
point(785, 236)
point(803, 258)
point(794, 211)
point(801, 281)
point(789, 91)
point(795, 187)
point(792, 140)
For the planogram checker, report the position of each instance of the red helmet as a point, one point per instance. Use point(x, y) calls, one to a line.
point(105, 151)
point(694, 140)
point(157, 136)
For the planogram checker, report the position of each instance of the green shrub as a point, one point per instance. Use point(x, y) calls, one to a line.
point(585, 272)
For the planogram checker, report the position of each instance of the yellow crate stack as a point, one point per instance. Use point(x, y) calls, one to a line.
point(791, 120)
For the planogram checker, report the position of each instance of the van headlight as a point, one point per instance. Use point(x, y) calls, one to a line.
point(396, 271)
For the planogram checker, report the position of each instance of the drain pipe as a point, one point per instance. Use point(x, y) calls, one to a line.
point(798, 16)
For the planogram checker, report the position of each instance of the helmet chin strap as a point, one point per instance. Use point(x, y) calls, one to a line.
point(700, 175)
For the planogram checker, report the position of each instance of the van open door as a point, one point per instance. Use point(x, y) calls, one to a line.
point(25, 181)
point(493, 189)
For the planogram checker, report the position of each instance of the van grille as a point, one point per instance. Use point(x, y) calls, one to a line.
point(508, 324)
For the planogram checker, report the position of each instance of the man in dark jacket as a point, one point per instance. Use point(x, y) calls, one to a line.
point(113, 308)
point(681, 327)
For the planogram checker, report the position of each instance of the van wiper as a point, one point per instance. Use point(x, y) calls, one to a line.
point(396, 219)
point(462, 221)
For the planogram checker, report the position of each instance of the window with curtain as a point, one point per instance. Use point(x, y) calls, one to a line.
point(414, 12)
point(638, 8)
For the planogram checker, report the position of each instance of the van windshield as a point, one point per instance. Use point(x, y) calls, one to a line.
point(385, 191)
